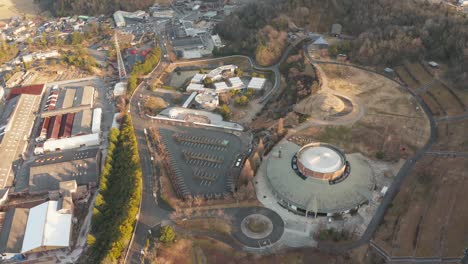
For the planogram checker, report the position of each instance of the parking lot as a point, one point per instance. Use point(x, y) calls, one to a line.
point(204, 159)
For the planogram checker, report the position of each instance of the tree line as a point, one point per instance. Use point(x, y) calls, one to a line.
point(119, 195)
point(143, 68)
point(386, 32)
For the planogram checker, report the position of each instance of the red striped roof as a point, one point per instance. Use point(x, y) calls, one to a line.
point(56, 128)
point(68, 125)
point(35, 89)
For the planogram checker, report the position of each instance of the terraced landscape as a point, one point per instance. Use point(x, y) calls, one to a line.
point(427, 218)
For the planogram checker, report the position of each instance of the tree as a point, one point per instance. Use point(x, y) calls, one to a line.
point(154, 105)
point(208, 81)
point(225, 111)
point(247, 173)
point(280, 128)
point(255, 161)
point(167, 234)
point(242, 100)
point(260, 147)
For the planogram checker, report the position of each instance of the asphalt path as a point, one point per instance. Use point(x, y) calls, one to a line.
point(151, 213)
point(399, 178)
point(241, 213)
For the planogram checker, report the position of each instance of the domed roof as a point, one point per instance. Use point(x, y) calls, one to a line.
point(320, 158)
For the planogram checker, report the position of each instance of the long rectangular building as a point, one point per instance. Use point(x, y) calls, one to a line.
point(16, 122)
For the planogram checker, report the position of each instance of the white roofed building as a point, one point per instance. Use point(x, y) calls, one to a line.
point(221, 87)
point(236, 83)
point(69, 143)
point(256, 83)
point(198, 78)
point(96, 125)
point(217, 41)
point(120, 89)
point(47, 228)
point(195, 87)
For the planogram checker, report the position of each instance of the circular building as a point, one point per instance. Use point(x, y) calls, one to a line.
point(321, 161)
point(318, 178)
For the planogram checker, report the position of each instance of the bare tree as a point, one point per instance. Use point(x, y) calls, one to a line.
point(255, 161)
point(198, 200)
point(260, 147)
point(247, 173)
point(280, 129)
point(250, 191)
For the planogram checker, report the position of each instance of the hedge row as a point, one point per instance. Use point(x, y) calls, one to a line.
point(118, 200)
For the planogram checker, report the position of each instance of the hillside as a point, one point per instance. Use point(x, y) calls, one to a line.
point(386, 32)
point(97, 7)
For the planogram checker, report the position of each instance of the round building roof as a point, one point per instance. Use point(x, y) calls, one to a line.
point(321, 158)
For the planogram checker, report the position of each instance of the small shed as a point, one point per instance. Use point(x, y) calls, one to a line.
point(433, 64)
point(336, 30)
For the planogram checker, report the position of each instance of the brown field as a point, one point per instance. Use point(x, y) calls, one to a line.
point(389, 113)
point(418, 72)
point(448, 100)
point(436, 108)
point(406, 77)
point(9, 8)
point(204, 250)
point(452, 136)
point(428, 216)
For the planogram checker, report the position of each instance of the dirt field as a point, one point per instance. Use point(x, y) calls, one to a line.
point(389, 114)
point(204, 250)
point(452, 136)
point(428, 216)
point(9, 8)
point(405, 77)
point(419, 72)
point(440, 98)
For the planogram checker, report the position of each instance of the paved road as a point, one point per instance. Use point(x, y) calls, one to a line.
point(151, 213)
point(273, 68)
point(239, 214)
point(399, 178)
point(452, 118)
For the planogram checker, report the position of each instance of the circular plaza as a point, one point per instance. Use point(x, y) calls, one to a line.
point(318, 178)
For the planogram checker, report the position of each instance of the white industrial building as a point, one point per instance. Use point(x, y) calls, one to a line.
point(119, 16)
point(195, 87)
point(217, 41)
point(47, 228)
point(97, 116)
point(68, 143)
point(256, 83)
point(166, 13)
point(236, 83)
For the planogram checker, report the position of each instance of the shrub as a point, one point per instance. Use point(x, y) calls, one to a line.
point(167, 234)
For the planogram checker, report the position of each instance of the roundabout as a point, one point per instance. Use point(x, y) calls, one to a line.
point(257, 227)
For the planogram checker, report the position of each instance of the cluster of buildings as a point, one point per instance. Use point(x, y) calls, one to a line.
point(49, 140)
point(189, 24)
point(205, 88)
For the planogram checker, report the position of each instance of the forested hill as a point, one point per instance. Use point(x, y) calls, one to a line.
point(387, 31)
point(96, 7)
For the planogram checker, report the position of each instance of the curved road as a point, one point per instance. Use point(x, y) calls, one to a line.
point(399, 178)
point(152, 213)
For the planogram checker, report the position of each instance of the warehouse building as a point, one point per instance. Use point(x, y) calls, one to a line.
point(44, 227)
point(47, 172)
point(16, 122)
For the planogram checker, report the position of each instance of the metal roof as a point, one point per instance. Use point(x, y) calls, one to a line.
point(47, 227)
